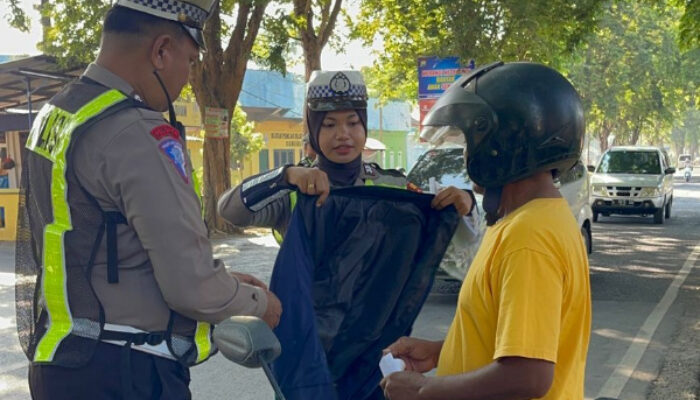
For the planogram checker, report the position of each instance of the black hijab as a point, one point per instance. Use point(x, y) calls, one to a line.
point(339, 174)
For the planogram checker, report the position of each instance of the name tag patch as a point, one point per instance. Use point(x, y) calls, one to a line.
point(173, 150)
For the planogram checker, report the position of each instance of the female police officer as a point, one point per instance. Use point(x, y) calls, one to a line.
point(337, 123)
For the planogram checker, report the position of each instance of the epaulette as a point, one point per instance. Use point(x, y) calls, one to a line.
point(380, 171)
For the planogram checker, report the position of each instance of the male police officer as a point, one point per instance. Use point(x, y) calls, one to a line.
point(127, 287)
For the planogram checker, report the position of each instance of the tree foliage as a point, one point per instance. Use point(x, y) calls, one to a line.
point(308, 24)
point(632, 76)
point(484, 30)
point(689, 26)
point(73, 36)
point(247, 140)
point(17, 17)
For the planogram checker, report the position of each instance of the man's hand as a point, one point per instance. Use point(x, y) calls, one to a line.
point(418, 354)
point(452, 195)
point(310, 181)
point(405, 385)
point(274, 310)
point(249, 279)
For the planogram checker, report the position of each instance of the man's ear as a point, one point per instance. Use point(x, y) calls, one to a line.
point(161, 51)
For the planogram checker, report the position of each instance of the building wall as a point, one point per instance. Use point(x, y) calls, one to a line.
point(188, 113)
point(11, 144)
point(395, 155)
point(282, 145)
point(282, 142)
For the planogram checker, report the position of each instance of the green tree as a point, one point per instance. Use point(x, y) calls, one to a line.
point(309, 24)
point(689, 25)
point(484, 30)
point(73, 37)
point(632, 77)
point(686, 133)
point(17, 18)
point(246, 140)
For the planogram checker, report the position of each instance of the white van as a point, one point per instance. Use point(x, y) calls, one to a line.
point(635, 180)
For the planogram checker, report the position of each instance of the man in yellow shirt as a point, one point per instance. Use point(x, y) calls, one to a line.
point(522, 324)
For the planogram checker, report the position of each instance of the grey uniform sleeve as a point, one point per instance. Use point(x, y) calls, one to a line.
point(261, 200)
point(144, 176)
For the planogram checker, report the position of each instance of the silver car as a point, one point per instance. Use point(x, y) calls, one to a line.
point(446, 166)
point(633, 180)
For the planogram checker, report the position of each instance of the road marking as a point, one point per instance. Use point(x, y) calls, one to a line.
point(617, 381)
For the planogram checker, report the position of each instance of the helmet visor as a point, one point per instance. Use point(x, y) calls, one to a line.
point(460, 111)
point(437, 135)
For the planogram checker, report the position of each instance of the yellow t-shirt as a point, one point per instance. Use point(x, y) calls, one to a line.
point(527, 294)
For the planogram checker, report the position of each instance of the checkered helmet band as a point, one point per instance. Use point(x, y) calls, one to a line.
point(336, 90)
point(185, 12)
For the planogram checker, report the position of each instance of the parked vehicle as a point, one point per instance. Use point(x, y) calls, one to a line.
point(633, 180)
point(684, 159)
point(446, 166)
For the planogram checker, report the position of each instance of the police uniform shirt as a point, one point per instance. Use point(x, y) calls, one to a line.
point(131, 163)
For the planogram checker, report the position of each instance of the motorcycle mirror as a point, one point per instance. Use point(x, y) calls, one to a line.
point(247, 341)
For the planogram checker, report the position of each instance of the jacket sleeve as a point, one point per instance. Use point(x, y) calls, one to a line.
point(261, 200)
point(144, 172)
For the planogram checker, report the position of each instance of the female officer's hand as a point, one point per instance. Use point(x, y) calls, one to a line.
point(310, 181)
point(451, 195)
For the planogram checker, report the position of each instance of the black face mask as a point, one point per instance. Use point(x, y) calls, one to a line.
point(171, 110)
point(339, 174)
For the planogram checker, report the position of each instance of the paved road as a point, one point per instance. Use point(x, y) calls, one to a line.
point(645, 342)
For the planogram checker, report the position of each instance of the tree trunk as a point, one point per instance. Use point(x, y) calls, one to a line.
point(217, 178)
point(312, 62)
point(312, 57)
point(603, 136)
point(636, 131)
point(45, 21)
point(217, 81)
point(313, 42)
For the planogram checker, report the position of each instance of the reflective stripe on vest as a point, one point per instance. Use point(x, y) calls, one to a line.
point(202, 339)
point(197, 187)
point(202, 335)
point(50, 138)
point(292, 203)
point(369, 182)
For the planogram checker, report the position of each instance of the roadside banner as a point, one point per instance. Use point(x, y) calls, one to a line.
point(435, 75)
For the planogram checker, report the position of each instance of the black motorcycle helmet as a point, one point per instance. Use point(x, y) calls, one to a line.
point(517, 119)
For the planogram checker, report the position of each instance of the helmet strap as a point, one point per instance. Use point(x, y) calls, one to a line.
point(491, 204)
point(171, 110)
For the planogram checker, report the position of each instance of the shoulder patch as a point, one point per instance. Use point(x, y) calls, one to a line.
point(173, 150)
point(161, 132)
point(391, 172)
point(369, 170)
